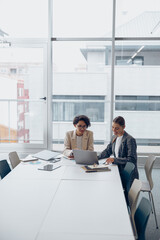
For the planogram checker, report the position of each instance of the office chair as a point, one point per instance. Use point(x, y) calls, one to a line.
point(133, 198)
point(148, 185)
point(14, 159)
point(4, 168)
point(141, 217)
point(126, 177)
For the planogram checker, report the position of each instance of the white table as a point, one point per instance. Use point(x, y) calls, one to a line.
point(23, 206)
point(30, 171)
point(64, 204)
point(77, 173)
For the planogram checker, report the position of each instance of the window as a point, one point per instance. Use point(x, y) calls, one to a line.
point(20, 92)
point(71, 106)
point(136, 83)
point(137, 103)
point(82, 18)
point(81, 48)
point(13, 70)
point(81, 81)
point(129, 60)
point(18, 19)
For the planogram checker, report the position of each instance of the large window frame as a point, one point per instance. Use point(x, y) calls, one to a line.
point(114, 40)
point(48, 76)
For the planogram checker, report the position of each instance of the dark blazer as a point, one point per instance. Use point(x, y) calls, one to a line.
point(127, 153)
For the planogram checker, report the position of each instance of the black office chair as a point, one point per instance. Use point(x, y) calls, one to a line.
point(4, 168)
point(127, 178)
point(141, 217)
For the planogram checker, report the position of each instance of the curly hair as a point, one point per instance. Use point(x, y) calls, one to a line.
point(82, 118)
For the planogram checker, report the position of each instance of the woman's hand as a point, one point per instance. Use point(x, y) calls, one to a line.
point(109, 160)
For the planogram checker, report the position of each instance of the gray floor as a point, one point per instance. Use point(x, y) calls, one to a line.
point(151, 232)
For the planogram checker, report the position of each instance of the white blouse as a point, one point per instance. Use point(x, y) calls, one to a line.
point(118, 143)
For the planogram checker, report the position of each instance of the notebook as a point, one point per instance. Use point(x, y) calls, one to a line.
point(29, 158)
point(46, 155)
point(96, 168)
point(85, 157)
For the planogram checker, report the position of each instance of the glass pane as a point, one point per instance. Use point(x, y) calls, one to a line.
point(138, 18)
point(81, 85)
point(30, 122)
point(21, 72)
point(137, 89)
point(22, 19)
point(83, 18)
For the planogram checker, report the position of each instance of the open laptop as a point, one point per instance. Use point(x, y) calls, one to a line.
point(85, 157)
point(46, 155)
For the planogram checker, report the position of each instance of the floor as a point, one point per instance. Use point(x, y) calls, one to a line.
point(151, 232)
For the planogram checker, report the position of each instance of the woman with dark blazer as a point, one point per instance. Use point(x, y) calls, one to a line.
point(123, 147)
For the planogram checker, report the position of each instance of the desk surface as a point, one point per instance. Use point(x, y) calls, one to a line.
point(63, 204)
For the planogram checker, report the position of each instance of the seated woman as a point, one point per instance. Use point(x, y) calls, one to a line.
point(80, 138)
point(122, 146)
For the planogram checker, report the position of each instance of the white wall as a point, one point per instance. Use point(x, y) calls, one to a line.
point(80, 83)
point(135, 80)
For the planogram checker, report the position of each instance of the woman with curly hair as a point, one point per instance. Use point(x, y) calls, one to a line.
point(80, 138)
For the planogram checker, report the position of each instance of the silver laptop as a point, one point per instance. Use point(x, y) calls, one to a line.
point(46, 155)
point(85, 157)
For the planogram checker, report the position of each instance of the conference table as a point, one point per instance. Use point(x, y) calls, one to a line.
point(64, 204)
